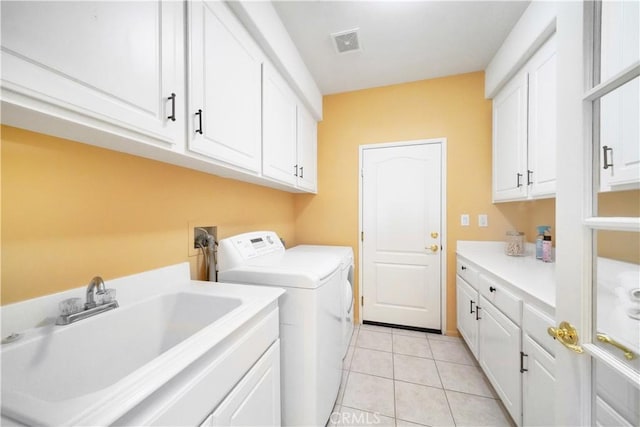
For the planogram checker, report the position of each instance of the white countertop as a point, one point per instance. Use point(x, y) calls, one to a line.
point(530, 275)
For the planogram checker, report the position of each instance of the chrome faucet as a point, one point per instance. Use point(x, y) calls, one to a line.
point(91, 308)
point(96, 283)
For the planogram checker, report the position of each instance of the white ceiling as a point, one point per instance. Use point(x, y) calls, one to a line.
point(401, 41)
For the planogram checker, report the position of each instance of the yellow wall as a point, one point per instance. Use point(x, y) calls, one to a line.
point(623, 246)
point(453, 107)
point(72, 211)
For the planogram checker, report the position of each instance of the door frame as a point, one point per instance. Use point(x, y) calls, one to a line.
point(443, 218)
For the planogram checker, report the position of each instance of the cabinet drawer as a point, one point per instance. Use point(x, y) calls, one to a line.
point(507, 303)
point(535, 323)
point(468, 273)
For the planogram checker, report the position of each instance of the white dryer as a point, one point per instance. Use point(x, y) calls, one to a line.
point(345, 254)
point(310, 318)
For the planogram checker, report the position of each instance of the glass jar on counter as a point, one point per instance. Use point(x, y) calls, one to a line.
point(514, 246)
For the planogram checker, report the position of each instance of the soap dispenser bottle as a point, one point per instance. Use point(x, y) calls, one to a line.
point(540, 238)
point(546, 247)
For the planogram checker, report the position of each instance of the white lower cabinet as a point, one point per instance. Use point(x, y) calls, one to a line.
point(466, 314)
point(504, 330)
point(255, 400)
point(499, 345)
point(538, 384)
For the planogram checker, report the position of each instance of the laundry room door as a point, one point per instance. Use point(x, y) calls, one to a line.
point(401, 207)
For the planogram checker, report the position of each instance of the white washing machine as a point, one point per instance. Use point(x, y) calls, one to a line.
point(311, 325)
point(345, 254)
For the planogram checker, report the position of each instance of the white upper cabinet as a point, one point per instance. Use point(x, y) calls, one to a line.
point(510, 140)
point(225, 68)
point(289, 135)
point(143, 78)
point(524, 130)
point(306, 171)
point(620, 109)
point(541, 143)
point(113, 66)
point(279, 128)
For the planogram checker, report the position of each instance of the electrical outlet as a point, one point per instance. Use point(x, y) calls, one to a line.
point(464, 220)
point(483, 220)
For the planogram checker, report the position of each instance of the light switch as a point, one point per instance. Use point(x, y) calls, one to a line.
point(483, 221)
point(464, 220)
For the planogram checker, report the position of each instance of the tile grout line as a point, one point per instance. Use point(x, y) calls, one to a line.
point(444, 390)
point(393, 380)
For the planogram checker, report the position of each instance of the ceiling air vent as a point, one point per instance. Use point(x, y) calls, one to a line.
point(346, 41)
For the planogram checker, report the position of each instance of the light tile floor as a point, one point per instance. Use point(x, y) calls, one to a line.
point(395, 377)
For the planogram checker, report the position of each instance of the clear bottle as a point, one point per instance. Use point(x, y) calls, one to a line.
point(539, 238)
point(514, 246)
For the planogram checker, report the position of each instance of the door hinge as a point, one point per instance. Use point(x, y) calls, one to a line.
point(362, 236)
point(362, 172)
point(362, 301)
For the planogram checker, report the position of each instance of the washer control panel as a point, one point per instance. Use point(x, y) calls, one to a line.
point(233, 251)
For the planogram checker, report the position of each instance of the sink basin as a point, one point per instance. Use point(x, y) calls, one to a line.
point(97, 352)
point(112, 365)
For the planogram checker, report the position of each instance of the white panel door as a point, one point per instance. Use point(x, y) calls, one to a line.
point(510, 140)
point(225, 87)
point(541, 172)
point(401, 209)
point(114, 62)
point(278, 128)
point(592, 341)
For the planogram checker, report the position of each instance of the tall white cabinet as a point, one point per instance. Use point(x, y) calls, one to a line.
point(524, 130)
point(112, 66)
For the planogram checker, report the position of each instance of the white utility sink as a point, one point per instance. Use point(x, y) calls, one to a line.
point(95, 370)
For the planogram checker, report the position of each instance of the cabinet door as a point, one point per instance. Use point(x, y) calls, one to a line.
point(278, 128)
point(255, 401)
point(538, 385)
point(107, 65)
point(307, 154)
point(467, 300)
point(510, 140)
point(541, 159)
point(499, 344)
point(620, 136)
point(225, 72)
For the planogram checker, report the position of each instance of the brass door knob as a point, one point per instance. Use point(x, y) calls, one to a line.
point(434, 248)
point(567, 335)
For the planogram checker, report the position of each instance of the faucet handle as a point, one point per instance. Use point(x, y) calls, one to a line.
point(106, 297)
point(70, 306)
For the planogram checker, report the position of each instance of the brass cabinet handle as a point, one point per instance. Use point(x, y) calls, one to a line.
point(628, 354)
point(567, 335)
